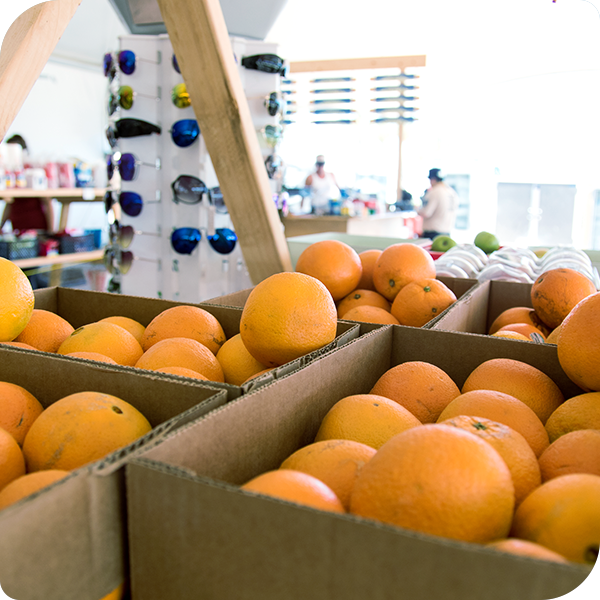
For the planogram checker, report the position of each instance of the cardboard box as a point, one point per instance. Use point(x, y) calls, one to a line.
point(80, 307)
point(360, 243)
point(68, 542)
point(210, 538)
point(477, 309)
point(457, 285)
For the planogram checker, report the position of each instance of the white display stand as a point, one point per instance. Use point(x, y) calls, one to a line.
point(157, 270)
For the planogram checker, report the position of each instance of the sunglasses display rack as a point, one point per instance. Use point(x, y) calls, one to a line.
point(173, 238)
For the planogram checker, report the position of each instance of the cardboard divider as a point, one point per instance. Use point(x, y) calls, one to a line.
point(69, 541)
point(209, 535)
point(80, 307)
point(478, 307)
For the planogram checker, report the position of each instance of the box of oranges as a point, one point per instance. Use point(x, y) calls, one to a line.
point(367, 472)
point(225, 364)
point(67, 426)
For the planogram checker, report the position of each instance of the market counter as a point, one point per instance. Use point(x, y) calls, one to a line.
point(396, 224)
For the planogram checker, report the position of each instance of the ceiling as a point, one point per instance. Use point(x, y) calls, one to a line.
point(97, 24)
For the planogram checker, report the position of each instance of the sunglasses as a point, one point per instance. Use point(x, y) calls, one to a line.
point(274, 165)
point(329, 111)
point(175, 64)
point(267, 63)
point(215, 197)
point(126, 61)
point(332, 101)
point(124, 98)
point(128, 165)
point(333, 91)
point(395, 98)
point(272, 134)
point(397, 119)
point(124, 234)
point(180, 96)
point(332, 79)
point(188, 189)
point(273, 103)
point(131, 203)
point(400, 86)
point(118, 261)
point(184, 240)
point(128, 128)
point(185, 132)
point(399, 76)
point(395, 109)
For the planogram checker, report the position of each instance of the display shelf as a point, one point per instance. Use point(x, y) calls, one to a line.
point(65, 196)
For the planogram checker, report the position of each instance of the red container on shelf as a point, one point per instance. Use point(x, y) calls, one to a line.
point(66, 175)
point(51, 169)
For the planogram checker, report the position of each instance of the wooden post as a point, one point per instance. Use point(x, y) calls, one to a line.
point(26, 48)
point(202, 45)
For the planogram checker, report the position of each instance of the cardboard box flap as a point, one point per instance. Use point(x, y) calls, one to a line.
point(49, 540)
point(346, 332)
point(288, 551)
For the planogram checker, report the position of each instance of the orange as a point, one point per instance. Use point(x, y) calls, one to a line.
point(104, 338)
point(18, 345)
point(27, 484)
point(420, 301)
point(525, 548)
point(529, 331)
point(578, 344)
point(182, 372)
point(518, 379)
point(237, 363)
point(45, 331)
point(512, 447)
point(135, 328)
point(439, 480)
point(556, 292)
point(365, 418)
point(518, 314)
point(116, 594)
point(360, 297)
point(12, 461)
point(185, 321)
point(368, 258)
point(286, 316)
point(295, 486)
point(501, 407)
point(92, 356)
point(370, 314)
point(575, 452)
point(334, 263)
point(553, 335)
point(511, 335)
point(400, 264)
point(16, 300)
point(335, 462)
point(578, 412)
point(182, 352)
point(18, 410)
point(422, 388)
point(563, 515)
point(81, 428)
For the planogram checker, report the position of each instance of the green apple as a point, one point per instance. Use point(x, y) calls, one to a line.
point(441, 243)
point(488, 242)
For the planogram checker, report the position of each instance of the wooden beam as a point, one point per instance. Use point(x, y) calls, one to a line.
point(352, 64)
point(203, 48)
point(26, 48)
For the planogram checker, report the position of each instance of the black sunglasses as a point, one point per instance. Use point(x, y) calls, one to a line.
point(267, 63)
point(128, 128)
point(188, 189)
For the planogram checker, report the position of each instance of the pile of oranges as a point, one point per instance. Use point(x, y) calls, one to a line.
point(504, 461)
point(397, 285)
point(39, 446)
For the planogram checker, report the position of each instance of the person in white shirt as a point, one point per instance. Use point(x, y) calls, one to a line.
point(323, 187)
point(440, 203)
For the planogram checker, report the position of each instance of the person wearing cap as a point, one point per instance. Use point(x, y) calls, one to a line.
point(440, 202)
point(323, 187)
